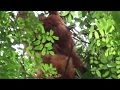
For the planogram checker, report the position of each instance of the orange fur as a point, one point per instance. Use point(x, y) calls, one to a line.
point(59, 61)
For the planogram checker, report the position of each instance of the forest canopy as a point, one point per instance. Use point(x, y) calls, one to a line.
point(96, 35)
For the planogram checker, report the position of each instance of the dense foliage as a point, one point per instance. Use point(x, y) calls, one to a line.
point(96, 35)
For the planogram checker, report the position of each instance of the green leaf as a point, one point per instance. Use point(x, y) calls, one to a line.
point(39, 37)
point(55, 37)
point(103, 39)
point(96, 35)
point(117, 62)
point(44, 51)
point(51, 66)
point(106, 74)
point(98, 73)
point(117, 58)
point(69, 18)
point(93, 69)
point(52, 40)
point(111, 64)
point(79, 14)
point(29, 48)
point(106, 53)
point(90, 47)
point(103, 60)
point(101, 32)
point(37, 42)
point(91, 61)
point(39, 47)
point(101, 65)
point(48, 44)
point(43, 39)
point(43, 31)
point(41, 28)
point(37, 55)
point(118, 71)
point(114, 53)
point(112, 28)
point(118, 66)
point(90, 35)
point(48, 33)
point(48, 38)
point(45, 67)
point(98, 42)
point(51, 32)
point(64, 13)
point(32, 53)
point(92, 28)
point(72, 13)
point(30, 32)
point(107, 40)
point(96, 62)
point(50, 48)
point(114, 76)
point(51, 53)
point(20, 20)
point(110, 57)
point(36, 31)
point(113, 70)
point(118, 76)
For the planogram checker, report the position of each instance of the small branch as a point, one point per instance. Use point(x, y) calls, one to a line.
point(80, 38)
point(75, 35)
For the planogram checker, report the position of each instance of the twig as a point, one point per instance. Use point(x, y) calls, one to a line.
point(80, 38)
